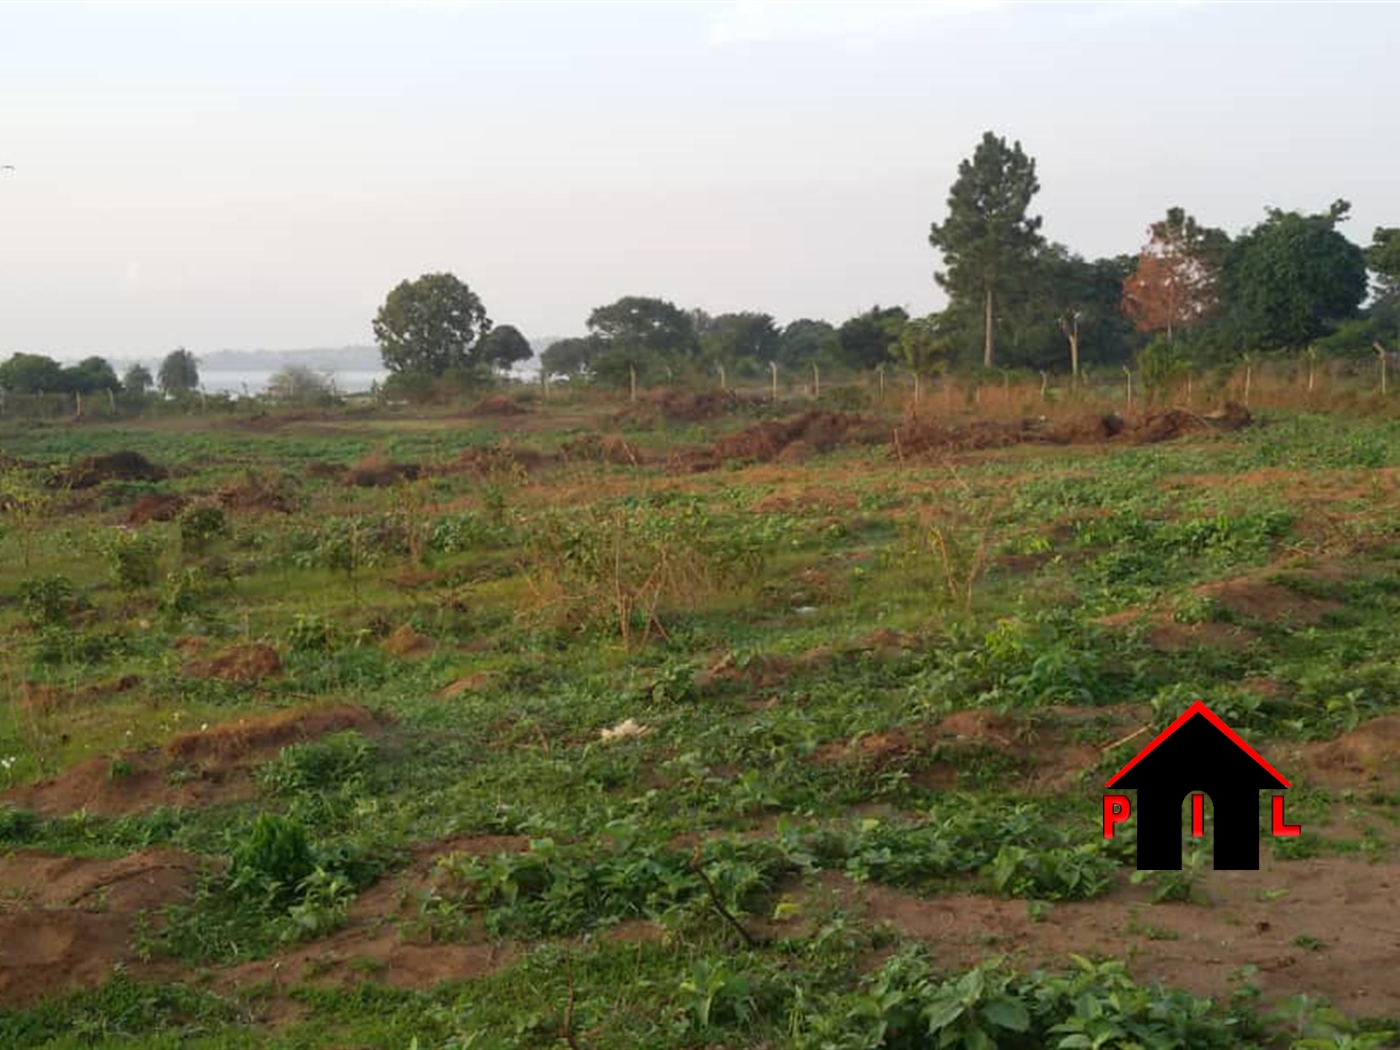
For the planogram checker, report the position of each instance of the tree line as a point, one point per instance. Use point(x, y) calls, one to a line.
point(1191, 296)
point(25, 373)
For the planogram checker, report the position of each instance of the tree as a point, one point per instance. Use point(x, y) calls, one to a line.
point(569, 357)
point(924, 348)
point(868, 340)
point(1068, 311)
point(642, 334)
point(32, 374)
point(89, 376)
point(746, 340)
point(430, 326)
point(504, 347)
point(1293, 276)
point(179, 373)
point(804, 341)
point(987, 237)
point(1177, 280)
point(299, 384)
point(137, 380)
point(1383, 259)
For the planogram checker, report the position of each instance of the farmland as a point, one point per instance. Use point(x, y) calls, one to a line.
point(689, 722)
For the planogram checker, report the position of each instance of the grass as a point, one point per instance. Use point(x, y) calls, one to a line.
point(787, 635)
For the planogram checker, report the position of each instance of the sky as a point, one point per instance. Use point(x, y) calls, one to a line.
point(260, 176)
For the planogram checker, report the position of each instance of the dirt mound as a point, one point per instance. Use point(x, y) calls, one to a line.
point(815, 430)
point(239, 663)
point(405, 641)
point(376, 471)
point(1042, 753)
point(1252, 598)
point(155, 507)
point(680, 406)
point(115, 466)
point(918, 435)
point(41, 696)
point(488, 460)
point(601, 448)
point(193, 769)
point(254, 494)
point(497, 405)
point(1371, 751)
point(322, 471)
point(67, 922)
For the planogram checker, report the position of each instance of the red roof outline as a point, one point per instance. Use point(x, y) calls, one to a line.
point(1199, 708)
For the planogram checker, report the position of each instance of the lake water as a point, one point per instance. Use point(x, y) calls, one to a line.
point(255, 382)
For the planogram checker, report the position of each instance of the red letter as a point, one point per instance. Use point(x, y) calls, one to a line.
point(1280, 828)
point(1115, 810)
point(1198, 815)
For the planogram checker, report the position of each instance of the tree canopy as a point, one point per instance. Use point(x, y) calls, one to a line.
point(642, 333)
point(868, 340)
point(987, 238)
point(431, 326)
point(1176, 283)
point(504, 346)
point(179, 373)
point(1292, 276)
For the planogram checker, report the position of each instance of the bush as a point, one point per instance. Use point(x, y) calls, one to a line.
point(133, 558)
point(272, 860)
point(200, 525)
point(47, 601)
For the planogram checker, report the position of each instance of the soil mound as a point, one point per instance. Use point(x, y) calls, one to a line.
point(815, 431)
point(321, 470)
point(67, 922)
point(918, 435)
point(193, 769)
point(115, 466)
point(600, 448)
point(155, 507)
point(497, 405)
point(488, 460)
point(239, 663)
point(255, 494)
point(378, 472)
point(405, 641)
point(1370, 751)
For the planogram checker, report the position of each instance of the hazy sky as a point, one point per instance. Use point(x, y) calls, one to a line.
point(261, 176)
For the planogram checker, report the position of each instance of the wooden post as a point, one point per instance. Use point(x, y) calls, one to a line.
point(916, 389)
point(1129, 373)
point(723, 381)
point(1248, 380)
point(773, 368)
point(880, 370)
point(544, 384)
point(1044, 384)
point(111, 401)
point(1380, 352)
point(78, 402)
point(632, 372)
point(816, 382)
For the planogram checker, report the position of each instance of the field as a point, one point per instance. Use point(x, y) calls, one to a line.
point(697, 722)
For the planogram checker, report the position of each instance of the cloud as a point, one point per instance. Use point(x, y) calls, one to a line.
point(764, 21)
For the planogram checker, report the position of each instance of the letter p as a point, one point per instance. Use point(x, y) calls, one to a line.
point(1116, 809)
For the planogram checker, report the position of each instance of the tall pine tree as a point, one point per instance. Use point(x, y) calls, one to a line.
point(987, 238)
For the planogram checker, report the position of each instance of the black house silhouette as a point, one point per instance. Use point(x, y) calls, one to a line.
point(1198, 752)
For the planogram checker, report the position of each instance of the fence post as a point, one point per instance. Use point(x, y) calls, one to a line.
point(773, 368)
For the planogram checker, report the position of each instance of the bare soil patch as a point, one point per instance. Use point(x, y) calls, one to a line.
point(66, 922)
point(602, 448)
point(1344, 904)
point(194, 769)
point(498, 405)
point(155, 507)
point(256, 495)
point(405, 641)
point(114, 466)
point(376, 471)
point(1370, 753)
point(250, 662)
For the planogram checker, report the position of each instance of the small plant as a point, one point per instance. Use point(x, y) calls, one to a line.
point(272, 860)
point(47, 601)
point(133, 558)
point(200, 525)
point(1166, 885)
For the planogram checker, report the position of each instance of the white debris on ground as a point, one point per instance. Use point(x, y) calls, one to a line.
point(626, 730)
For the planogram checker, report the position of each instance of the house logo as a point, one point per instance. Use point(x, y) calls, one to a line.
point(1197, 755)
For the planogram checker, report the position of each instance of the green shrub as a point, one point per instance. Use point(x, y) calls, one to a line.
point(273, 859)
point(133, 558)
point(200, 525)
point(47, 601)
